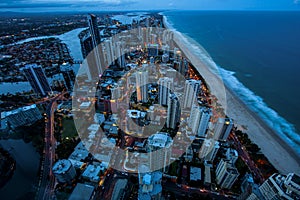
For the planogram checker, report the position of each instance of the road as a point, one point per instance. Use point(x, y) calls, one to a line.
point(183, 191)
point(47, 179)
point(246, 158)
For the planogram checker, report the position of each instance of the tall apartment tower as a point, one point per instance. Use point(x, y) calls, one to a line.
point(212, 154)
point(69, 75)
point(120, 53)
point(37, 79)
point(141, 85)
point(199, 120)
point(191, 90)
point(165, 87)
point(96, 59)
point(226, 174)
point(222, 128)
point(109, 52)
point(92, 22)
point(278, 186)
point(173, 111)
point(160, 146)
point(206, 147)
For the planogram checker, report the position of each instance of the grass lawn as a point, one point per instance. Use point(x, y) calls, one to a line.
point(69, 129)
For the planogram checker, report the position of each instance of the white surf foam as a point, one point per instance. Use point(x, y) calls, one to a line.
point(284, 129)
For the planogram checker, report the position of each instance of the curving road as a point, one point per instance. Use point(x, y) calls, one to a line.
point(47, 179)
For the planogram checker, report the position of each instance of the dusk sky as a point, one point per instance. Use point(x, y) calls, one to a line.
point(106, 5)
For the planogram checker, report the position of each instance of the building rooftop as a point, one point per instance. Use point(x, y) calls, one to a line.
point(160, 139)
point(207, 174)
point(61, 166)
point(195, 173)
point(79, 153)
point(82, 192)
point(94, 127)
point(92, 172)
point(135, 114)
point(16, 111)
point(85, 105)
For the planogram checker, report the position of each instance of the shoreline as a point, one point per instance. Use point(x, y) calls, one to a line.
point(284, 158)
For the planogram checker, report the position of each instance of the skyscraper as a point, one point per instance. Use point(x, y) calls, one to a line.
point(212, 154)
point(222, 128)
point(278, 186)
point(120, 53)
point(176, 54)
point(184, 66)
point(191, 90)
point(173, 111)
point(141, 85)
point(86, 45)
point(91, 43)
point(160, 146)
point(68, 74)
point(165, 87)
point(92, 21)
point(226, 174)
point(37, 79)
point(232, 155)
point(199, 120)
point(206, 147)
point(109, 52)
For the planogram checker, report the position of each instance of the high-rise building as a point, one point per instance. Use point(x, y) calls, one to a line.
point(68, 74)
point(191, 90)
point(86, 45)
point(37, 79)
point(165, 58)
point(92, 22)
point(165, 87)
point(176, 54)
point(109, 52)
point(141, 85)
point(152, 50)
point(212, 154)
point(206, 147)
point(149, 184)
point(292, 184)
point(95, 59)
point(232, 155)
point(247, 187)
point(120, 53)
point(223, 128)
point(226, 174)
point(173, 110)
point(279, 186)
point(184, 66)
point(160, 146)
point(64, 171)
point(199, 120)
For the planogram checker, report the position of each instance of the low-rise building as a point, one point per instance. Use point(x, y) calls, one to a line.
point(26, 115)
point(64, 171)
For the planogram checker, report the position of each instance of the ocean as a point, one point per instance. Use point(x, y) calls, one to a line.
point(258, 54)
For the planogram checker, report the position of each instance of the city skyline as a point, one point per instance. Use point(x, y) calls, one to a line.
point(153, 120)
point(132, 5)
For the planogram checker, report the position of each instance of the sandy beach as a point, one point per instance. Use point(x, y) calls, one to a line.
point(279, 153)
